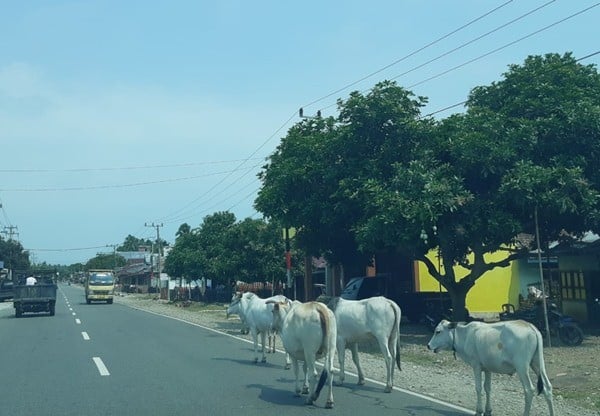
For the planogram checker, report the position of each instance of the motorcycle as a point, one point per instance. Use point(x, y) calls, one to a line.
point(561, 325)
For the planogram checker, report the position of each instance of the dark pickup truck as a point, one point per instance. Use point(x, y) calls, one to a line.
point(40, 297)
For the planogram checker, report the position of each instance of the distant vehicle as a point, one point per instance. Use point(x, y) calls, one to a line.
point(40, 297)
point(99, 286)
point(6, 285)
point(416, 306)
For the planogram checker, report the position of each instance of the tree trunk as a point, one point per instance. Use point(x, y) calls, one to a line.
point(458, 294)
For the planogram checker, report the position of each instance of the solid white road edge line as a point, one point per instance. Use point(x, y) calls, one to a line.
point(409, 392)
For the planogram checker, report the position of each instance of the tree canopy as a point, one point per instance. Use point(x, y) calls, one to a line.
point(223, 249)
point(382, 178)
point(13, 255)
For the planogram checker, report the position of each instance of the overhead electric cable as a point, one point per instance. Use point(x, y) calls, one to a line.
point(441, 110)
point(451, 51)
point(505, 45)
point(409, 55)
point(115, 186)
point(175, 213)
point(100, 169)
point(66, 249)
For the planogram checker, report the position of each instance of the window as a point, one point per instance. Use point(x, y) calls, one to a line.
point(573, 285)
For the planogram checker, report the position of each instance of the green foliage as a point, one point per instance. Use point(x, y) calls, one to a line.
point(313, 179)
point(223, 249)
point(13, 255)
point(105, 261)
point(379, 178)
point(132, 243)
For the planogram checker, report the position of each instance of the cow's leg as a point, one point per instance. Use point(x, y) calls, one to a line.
point(309, 363)
point(479, 407)
point(528, 388)
point(389, 363)
point(288, 361)
point(541, 373)
point(487, 386)
point(341, 351)
point(254, 334)
point(297, 388)
point(329, 367)
point(263, 336)
point(306, 384)
point(354, 351)
point(271, 344)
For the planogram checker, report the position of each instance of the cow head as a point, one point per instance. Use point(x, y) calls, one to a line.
point(234, 306)
point(280, 310)
point(443, 337)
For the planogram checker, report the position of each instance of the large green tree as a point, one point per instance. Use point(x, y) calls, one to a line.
point(527, 144)
point(133, 243)
point(223, 249)
point(13, 255)
point(386, 180)
point(311, 180)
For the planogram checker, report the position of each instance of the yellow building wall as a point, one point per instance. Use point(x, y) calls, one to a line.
point(491, 291)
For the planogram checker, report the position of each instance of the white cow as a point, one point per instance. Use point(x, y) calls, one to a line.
point(257, 314)
point(308, 332)
point(234, 309)
point(506, 347)
point(376, 317)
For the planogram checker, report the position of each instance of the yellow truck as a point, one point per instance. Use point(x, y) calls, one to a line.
point(99, 286)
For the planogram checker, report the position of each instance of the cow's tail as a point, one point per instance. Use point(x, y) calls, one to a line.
point(395, 335)
point(322, 380)
point(542, 381)
point(325, 329)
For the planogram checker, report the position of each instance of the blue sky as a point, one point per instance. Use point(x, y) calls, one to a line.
point(114, 114)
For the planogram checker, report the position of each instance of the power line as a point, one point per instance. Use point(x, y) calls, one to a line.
point(409, 55)
point(441, 110)
point(505, 45)
point(115, 186)
point(177, 212)
point(66, 249)
point(104, 169)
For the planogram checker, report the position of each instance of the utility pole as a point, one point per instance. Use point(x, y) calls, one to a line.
point(10, 230)
point(158, 226)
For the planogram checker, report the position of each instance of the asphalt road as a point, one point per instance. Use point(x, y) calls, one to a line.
point(103, 359)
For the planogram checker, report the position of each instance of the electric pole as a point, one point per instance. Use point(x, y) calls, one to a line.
point(158, 226)
point(10, 230)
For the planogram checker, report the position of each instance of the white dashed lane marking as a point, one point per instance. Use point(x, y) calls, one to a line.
point(101, 367)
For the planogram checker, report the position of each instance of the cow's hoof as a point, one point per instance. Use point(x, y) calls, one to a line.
point(287, 366)
point(361, 381)
point(255, 361)
point(329, 404)
point(304, 390)
point(388, 389)
point(264, 360)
